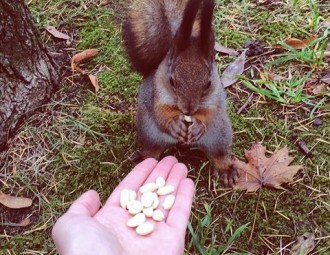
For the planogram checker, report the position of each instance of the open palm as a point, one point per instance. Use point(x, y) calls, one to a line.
point(87, 229)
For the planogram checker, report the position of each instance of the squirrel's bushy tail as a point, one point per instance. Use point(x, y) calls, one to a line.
point(153, 26)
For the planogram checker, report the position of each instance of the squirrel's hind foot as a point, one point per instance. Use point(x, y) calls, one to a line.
point(230, 177)
point(225, 168)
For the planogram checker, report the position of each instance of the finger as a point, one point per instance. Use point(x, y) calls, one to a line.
point(179, 214)
point(178, 172)
point(135, 179)
point(163, 169)
point(87, 204)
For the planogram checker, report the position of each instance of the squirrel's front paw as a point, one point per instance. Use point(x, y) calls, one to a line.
point(178, 129)
point(195, 130)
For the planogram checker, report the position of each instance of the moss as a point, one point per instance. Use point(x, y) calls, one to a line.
point(237, 22)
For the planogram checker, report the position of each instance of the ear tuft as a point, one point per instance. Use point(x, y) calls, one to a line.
point(183, 34)
point(206, 33)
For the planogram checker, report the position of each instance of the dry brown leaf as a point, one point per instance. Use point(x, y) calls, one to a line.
point(264, 171)
point(270, 2)
point(271, 77)
point(14, 202)
point(222, 49)
point(304, 245)
point(24, 222)
point(52, 30)
point(94, 81)
point(326, 78)
point(297, 43)
point(80, 57)
point(320, 89)
point(326, 54)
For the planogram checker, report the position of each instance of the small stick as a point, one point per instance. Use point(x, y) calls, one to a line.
point(245, 104)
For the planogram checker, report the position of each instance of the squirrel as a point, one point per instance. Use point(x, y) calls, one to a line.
point(181, 100)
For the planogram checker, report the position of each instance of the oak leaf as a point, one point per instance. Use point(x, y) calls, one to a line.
point(261, 170)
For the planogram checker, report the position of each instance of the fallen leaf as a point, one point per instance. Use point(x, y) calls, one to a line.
point(94, 81)
point(264, 171)
point(24, 222)
point(320, 89)
point(270, 2)
point(304, 245)
point(80, 57)
point(326, 54)
point(229, 75)
point(14, 202)
point(52, 30)
point(297, 43)
point(324, 24)
point(222, 49)
point(276, 77)
point(326, 78)
point(267, 76)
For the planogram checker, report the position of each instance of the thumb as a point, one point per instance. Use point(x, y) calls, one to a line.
point(87, 204)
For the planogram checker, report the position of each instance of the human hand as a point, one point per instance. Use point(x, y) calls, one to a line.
point(87, 229)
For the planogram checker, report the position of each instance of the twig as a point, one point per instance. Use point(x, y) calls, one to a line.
point(245, 104)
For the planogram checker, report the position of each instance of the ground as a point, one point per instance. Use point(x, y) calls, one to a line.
point(83, 139)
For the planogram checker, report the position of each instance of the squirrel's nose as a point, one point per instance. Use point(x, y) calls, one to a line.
point(187, 108)
point(190, 109)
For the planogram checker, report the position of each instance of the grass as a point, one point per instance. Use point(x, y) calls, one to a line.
point(204, 235)
point(84, 139)
point(284, 91)
point(312, 54)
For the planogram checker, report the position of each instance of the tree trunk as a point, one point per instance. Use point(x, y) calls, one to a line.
point(28, 75)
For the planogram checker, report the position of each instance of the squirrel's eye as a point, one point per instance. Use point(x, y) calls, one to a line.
point(208, 85)
point(172, 82)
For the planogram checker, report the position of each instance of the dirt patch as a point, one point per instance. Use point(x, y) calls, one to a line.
point(13, 221)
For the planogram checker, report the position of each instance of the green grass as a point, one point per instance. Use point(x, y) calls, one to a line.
point(283, 91)
point(312, 54)
point(203, 238)
point(84, 139)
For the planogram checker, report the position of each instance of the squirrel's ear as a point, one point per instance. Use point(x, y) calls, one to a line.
point(206, 31)
point(182, 36)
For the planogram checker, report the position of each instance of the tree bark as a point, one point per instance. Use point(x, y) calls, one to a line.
point(28, 74)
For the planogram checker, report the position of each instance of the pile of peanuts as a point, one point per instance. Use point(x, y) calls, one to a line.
point(147, 206)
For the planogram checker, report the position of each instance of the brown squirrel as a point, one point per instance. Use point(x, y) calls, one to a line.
point(181, 101)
